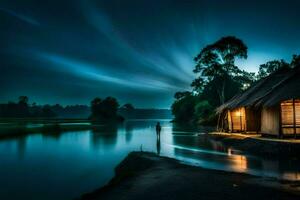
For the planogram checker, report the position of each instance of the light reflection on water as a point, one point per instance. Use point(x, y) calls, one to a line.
point(65, 165)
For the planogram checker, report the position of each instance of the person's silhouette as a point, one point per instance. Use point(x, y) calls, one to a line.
point(158, 129)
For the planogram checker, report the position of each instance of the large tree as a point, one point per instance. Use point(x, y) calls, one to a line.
point(215, 64)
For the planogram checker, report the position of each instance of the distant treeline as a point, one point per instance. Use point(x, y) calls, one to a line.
point(22, 109)
point(106, 108)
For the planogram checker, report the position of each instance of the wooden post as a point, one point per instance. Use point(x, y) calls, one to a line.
point(280, 135)
point(231, 121)
point(223, 120)
point(218, 122)
point(294, 115)
point(241, 122)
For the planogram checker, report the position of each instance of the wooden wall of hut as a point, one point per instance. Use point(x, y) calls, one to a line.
point(253, 120)
point(270, 120)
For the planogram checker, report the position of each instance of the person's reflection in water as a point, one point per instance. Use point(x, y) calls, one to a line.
point(158, 129)
point(158, 145)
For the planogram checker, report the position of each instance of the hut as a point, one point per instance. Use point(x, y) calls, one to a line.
point(270, 107)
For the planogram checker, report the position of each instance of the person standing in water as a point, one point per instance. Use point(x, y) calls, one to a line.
point(158, 129)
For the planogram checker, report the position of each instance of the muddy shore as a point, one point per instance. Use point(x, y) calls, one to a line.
point(147, 176)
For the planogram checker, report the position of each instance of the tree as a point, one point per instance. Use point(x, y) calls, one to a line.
point(295, 60)
point(128, 106)
point(96, 107)
point(23, 100)
point(110, 107)
point(180, 95)
point(23, 110)
point(216, 62)
point(47, 112)
point(104, 110)
point(203, 111)
point(273, 66)
point(183, 109)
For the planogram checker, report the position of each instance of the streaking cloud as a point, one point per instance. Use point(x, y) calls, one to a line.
point(90, 71)
point(156, 61)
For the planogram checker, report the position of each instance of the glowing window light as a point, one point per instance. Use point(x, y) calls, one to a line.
point(238, 113)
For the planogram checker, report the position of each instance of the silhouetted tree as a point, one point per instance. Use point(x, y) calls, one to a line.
point(105, 110)
point(128, 106)
point(216, 62)
point(110, 107)
point(203, 111)
point(295, 60)
point(218, 79)
point(96, 105)
point(183, 108)
point(180, 95)
point(47, 112)
point(271, 67)
point(23, 110)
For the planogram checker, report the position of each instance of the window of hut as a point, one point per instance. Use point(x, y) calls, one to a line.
point(290, 116)
point(238, 119)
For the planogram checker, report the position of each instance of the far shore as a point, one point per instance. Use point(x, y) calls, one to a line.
point(146, 176)
point(10, 128)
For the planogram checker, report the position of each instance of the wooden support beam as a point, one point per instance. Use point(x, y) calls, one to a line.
point(280, 135)
point(294, 116)
point(241, 120)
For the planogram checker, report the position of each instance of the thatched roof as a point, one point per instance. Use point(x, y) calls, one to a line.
point(281, 85)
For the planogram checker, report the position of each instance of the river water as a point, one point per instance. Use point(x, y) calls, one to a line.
point(68, 164)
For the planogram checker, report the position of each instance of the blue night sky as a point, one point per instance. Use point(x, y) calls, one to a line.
point(139, 51)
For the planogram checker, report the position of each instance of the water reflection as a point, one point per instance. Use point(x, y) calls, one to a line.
point(128, 131)
point(85, 160)
point(202, 151)
point(104, 135)
point(238, 162)
point(21, 146)
point(55, 134)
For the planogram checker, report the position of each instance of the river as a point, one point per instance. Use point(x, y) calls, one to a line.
point(68, 164)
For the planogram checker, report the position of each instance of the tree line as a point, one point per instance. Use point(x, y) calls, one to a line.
point(22, 109)
point(218, 79)
point(99, 110)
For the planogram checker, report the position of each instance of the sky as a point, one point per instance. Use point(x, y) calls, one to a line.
point(139, 51)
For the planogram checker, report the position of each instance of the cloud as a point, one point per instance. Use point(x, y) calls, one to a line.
point(164, 58)
point(98, 73)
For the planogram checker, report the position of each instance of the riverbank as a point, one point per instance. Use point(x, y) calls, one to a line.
point(147, 176)
point(256, 144)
